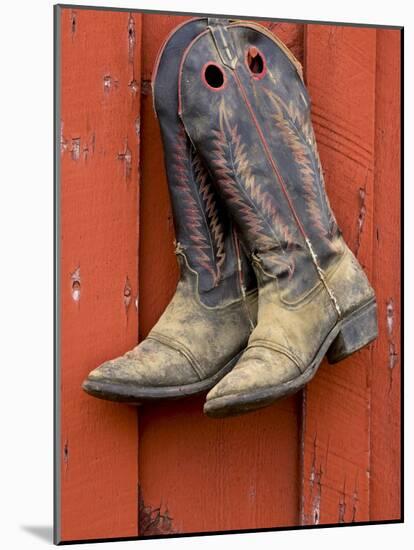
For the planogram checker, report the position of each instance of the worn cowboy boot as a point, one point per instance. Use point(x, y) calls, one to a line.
point(205, 327)
point(245, 108)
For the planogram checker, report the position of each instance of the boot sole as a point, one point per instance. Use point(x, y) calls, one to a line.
point(127, 393)
point(348, 336)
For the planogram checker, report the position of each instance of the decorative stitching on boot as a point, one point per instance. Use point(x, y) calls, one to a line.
point(212, 239)
point(233, 304)
point(278, 348)
point(297, 132)
point(181, 349)
point(208, 195)
point(251, 200)
point(283, 187)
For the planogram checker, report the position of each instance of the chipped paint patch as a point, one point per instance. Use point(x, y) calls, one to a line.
point(127, 294)
point(75, 149)
point(76, 285)
point(153, 521)
point(109, 83)
point(63, 140)
point(131, 38)
point(134, 86)
point(66, 454)
point(73, 23)
point(316, 486)
point(361, 216)
point(392, 351)
point(126, 157)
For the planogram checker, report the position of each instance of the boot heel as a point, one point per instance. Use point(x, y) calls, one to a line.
point(357, 331)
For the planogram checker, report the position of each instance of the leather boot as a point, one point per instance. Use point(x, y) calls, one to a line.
point(246, 109)
point(206, 326)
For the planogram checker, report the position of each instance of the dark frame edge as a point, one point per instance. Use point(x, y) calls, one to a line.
point(231, 16)
point(235, 532)
point(402, 282)
point(56, 276)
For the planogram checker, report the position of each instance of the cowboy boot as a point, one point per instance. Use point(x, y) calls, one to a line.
point(246, 109)
point(205, 327)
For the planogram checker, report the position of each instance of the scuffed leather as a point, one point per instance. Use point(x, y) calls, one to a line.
point(211, 315)
point(288, 335)
point(254, 133)
point(190, 342)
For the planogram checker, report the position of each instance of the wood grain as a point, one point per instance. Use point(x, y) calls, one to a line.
point(331, 455)
point(100, 101)
point(386, 366)
point(340, 73)
point(198, 474)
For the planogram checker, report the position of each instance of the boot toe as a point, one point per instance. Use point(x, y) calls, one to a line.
point(259, 374)
point(151, 364)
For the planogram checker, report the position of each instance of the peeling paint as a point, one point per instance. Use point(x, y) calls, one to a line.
point(63, 140)
point(355, 501)
point(390, 317)
point(392, 351)
point(342, 505)
point(126, 157)
point(78, 146)
point(131, 38)
point(76, 284)
point(133, 86)
point(316, 486)
point(153, 521)
point(66, 454)
point(342, 509)
point(109, 82)
point(89, 147)
point(75, 149)
point(73, 22)
point(393, 356)
point(127, 294)
point(316, 500)
point(361, 216)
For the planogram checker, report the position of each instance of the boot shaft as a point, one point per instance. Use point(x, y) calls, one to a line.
point(204, 232)
point(244, 105)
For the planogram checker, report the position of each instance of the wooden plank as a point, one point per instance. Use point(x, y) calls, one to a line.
point(100, 99)
point(340, 73)
point(386, 382)
point(198, 474)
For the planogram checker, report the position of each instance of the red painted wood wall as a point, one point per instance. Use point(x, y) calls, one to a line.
point(330, 454)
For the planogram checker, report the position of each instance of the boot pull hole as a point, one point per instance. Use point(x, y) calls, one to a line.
point(213, 76)
point(255, 62)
